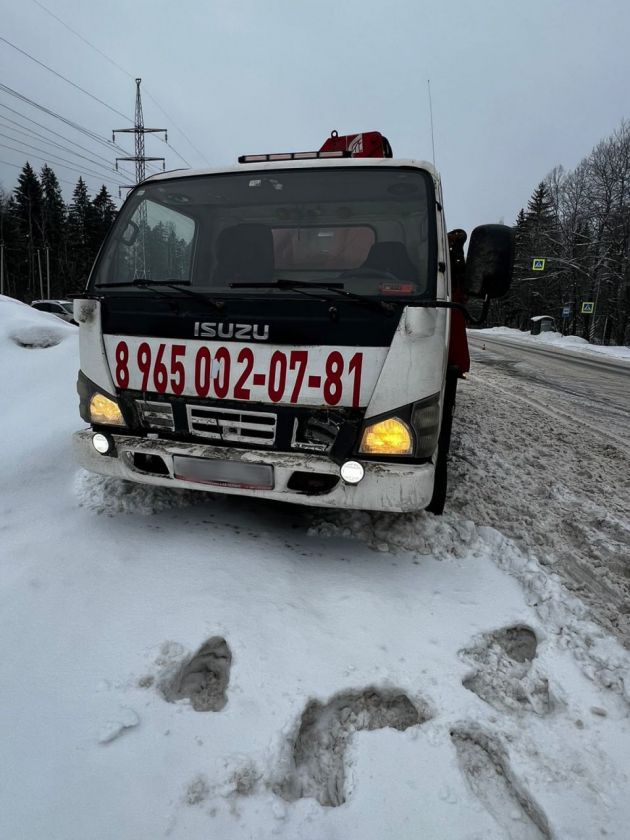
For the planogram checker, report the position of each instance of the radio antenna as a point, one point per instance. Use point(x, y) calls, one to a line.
point(431, 118)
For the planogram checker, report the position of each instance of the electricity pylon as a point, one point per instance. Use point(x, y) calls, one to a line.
point(139, 130)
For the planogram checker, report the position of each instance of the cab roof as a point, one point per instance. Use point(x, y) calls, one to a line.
point(310, 163)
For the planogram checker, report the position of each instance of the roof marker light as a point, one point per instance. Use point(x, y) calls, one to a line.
point(292, 156)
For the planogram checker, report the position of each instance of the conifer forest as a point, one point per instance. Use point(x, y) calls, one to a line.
point(48, 245)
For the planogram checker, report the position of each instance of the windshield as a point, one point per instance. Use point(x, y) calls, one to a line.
point(371, 229)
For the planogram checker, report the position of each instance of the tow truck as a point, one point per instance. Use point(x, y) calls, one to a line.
point(292, 328)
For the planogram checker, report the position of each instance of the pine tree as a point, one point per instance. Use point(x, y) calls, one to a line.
point(27, 208)
point(8, 237)
point(80, 236)
point(104, 213)
point(540, 215)
point(53, 228)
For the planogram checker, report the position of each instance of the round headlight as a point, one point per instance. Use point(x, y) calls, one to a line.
point(352, 472)
point(100, 443)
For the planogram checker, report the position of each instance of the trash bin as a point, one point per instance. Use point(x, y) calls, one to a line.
point(541, 324)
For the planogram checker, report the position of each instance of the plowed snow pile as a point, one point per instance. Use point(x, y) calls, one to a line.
point(190, 666)
point(572, 343)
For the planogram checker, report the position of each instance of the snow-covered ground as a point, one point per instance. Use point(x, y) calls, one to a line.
point(195, 666)
point(571, 343)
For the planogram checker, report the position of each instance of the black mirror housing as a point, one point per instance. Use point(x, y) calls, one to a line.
point(130, 233)
point(490, 261)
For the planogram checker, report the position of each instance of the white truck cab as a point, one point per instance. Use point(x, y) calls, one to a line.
point(281, 329)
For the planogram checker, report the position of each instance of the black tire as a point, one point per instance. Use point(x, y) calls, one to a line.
point(440, 486)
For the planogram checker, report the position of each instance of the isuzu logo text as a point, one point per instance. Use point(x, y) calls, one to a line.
point(240, 332)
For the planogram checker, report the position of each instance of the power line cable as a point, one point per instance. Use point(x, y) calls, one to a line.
point(172, 121)
point(87, 131)
point(50, 156)
point(71, 169)
point(50, 130)
point(109, 145)
point(129, 75)
point(61, 180)
point(98, 174)
point(37, 135)
point(85, 40)
point(65, 79)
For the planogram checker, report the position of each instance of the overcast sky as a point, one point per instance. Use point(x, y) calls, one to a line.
point(518, 87)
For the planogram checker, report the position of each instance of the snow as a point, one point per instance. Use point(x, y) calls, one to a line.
point(192, 666)
point(572, 343)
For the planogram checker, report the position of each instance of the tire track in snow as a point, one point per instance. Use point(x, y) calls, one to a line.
point(557, 414)
point(560, 490)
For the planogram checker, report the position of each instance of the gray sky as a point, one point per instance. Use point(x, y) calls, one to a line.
point(518, 87)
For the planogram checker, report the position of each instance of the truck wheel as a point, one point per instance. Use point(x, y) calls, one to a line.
point(438, 499)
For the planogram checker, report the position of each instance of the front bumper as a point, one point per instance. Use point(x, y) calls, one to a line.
point(385, 487)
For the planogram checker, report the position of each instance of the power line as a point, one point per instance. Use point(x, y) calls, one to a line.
point(48, 152)
point(65, 79)
point(109, 145)
point(184, 135)
point(129, 75)
point(85, 40)
point(50, 130)
point(30, 132)
point(49, 156)
point(92, 134)
point(61, 180)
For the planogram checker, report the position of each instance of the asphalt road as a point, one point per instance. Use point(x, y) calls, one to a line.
point(541, 452)
point(595, 390)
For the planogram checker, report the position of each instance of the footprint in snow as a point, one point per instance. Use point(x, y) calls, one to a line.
point(485, 765)
point(202, 678)
point(317, 751)
point(505, 676)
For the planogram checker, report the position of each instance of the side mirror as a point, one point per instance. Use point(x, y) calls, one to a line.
point(490, 261)
point(130, 233)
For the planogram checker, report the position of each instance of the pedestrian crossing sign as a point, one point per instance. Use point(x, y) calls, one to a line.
point(588, 307)
point(538, 264)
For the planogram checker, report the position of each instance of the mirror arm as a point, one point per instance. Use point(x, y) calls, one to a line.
point(476, 322)
point(461, 307)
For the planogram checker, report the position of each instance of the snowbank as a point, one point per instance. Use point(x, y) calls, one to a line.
point(572, 343)
point(28, 327)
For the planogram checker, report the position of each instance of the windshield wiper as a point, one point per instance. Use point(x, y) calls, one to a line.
point(154, 285)
point(336, 288)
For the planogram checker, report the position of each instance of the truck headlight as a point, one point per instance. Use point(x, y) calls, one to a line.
point(105, 411)
point(387, 437)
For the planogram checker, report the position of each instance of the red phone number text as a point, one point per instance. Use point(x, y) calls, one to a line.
point(165, 370)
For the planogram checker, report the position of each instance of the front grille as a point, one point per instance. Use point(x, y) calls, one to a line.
point(156, 415)
point(228, 424)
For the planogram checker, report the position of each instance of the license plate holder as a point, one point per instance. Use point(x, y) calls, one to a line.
point(223, 473)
